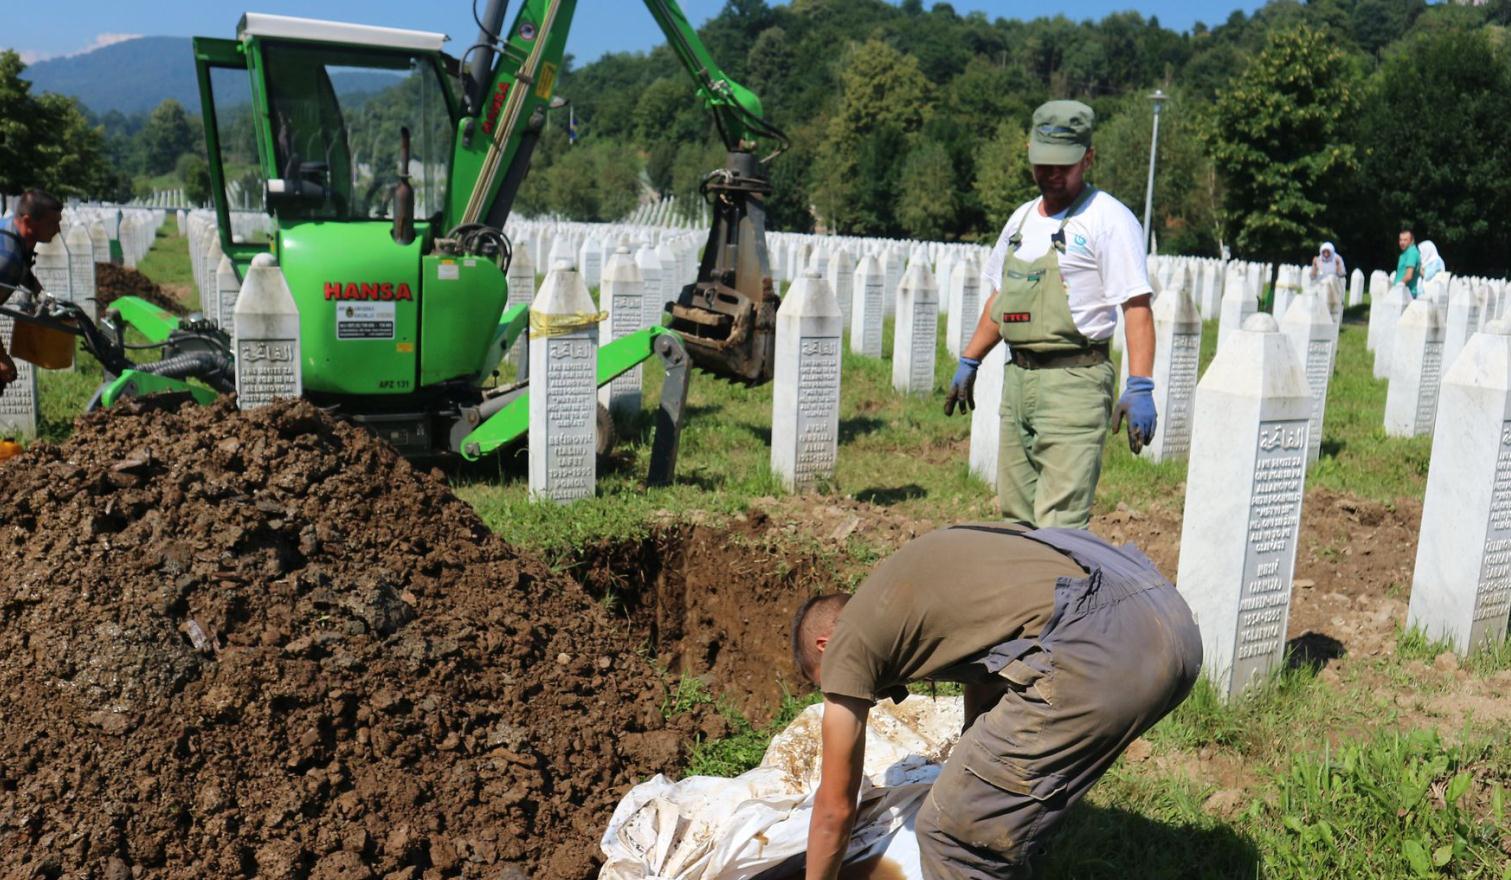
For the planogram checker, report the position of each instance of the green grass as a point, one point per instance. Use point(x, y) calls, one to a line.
point(167, 262)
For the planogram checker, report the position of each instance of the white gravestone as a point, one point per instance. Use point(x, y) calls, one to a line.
point(916, 332)
point(18, 403)
point(965, 304)
point(590, 261)
point(866, 308)
point(520, 279)
point(266, 329)
point(1238, 303)
point(1177, 352)
point(1243, 503)
point(1461, 589)
point(650, 276)
point(1392, 304)
point(622, 294)
point(892, 268)
point(1463, 319)
point(81, 269)
point(805, 386)
point(1356, 288)
point(1416, 355)
point(563, 388)
point(1313, 337)
point(986, 418)
point(52, 269)
point(101, 242)
point(841, 279)
point(671, 285)
point(1331, 290)
point(1211, 292)
point(227, 289)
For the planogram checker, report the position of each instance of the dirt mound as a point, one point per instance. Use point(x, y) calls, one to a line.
point(263, 645)
point(112, 282)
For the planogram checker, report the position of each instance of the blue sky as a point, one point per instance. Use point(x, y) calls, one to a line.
point(62, 27)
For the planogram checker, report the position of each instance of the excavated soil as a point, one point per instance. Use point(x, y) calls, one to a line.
point(264, 645)
point(112, 282)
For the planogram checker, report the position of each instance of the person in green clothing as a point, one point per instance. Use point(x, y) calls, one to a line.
point(1409, 266)
point(1063, 266)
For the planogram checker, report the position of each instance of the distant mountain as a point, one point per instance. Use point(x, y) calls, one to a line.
point(131, 76)
point(136, 75)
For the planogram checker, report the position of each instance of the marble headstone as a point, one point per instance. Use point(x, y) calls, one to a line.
point(986, 418)
point(964, 304)
point(1313, 337)
point(1416, 357)
point(266, 322)
point(1461, 588)
point(1244, 490)
point(621, 293)
point(916, 332)
point(18, 402)
point(563, 389)
point(866, 308)
point(1177, 351)
point(806, 383)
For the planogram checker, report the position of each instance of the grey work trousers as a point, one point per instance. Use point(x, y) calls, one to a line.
point(1119, 652)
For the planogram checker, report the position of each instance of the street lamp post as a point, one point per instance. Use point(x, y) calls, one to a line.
point(1159, 99)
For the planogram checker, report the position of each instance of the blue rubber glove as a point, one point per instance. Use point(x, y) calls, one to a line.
point(962, 387)
point(1137, 404)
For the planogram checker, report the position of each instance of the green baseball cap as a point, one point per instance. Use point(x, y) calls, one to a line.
point(1061, 133)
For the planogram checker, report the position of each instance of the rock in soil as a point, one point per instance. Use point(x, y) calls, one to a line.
point(281, 651)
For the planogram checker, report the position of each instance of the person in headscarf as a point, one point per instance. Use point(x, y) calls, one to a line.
point(1432, 261)
point(1328, 263)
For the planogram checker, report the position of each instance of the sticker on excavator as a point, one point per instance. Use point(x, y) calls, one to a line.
point(365, 320)
point(547, 80)
point(447, 270)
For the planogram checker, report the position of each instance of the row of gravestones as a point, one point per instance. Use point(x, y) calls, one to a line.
point(65, 270)
point(1267, 382)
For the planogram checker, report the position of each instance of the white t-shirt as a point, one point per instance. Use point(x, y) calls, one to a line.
point(1103, 264)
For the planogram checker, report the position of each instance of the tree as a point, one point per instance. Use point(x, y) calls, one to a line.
point(194, 172)
point(1003, 179)
point(18, 126)
point(1280, 139)
point(884, 98)
point(167, 135)
point(1446, 178)
point(927, 205)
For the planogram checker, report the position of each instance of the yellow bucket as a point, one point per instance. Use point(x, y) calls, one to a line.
point(47, 348)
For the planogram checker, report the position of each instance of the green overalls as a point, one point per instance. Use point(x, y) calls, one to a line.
point(1057, 392)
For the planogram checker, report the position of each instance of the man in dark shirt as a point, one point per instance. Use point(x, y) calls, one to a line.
point(38, 218)
point(1068, 648)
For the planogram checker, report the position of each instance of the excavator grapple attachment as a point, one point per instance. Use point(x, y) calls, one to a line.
point(727, 318)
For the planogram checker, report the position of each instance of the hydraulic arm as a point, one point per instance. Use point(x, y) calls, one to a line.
point(727, 318)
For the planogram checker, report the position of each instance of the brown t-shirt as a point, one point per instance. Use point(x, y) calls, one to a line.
point(942, 599)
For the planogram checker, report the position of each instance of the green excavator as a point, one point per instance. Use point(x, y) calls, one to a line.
point(389, 168)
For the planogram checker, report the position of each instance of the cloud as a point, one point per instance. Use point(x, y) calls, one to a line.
point(100, 41)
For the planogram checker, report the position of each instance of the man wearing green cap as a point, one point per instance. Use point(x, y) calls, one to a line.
point(1063, 266)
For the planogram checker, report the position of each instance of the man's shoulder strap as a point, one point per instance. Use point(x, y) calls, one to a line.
point(1087, 192)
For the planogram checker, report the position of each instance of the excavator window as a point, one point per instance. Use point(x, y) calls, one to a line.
point(336, 115)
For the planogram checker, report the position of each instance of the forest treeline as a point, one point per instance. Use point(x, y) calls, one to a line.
point(1339, 120)
point(1335, 120)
